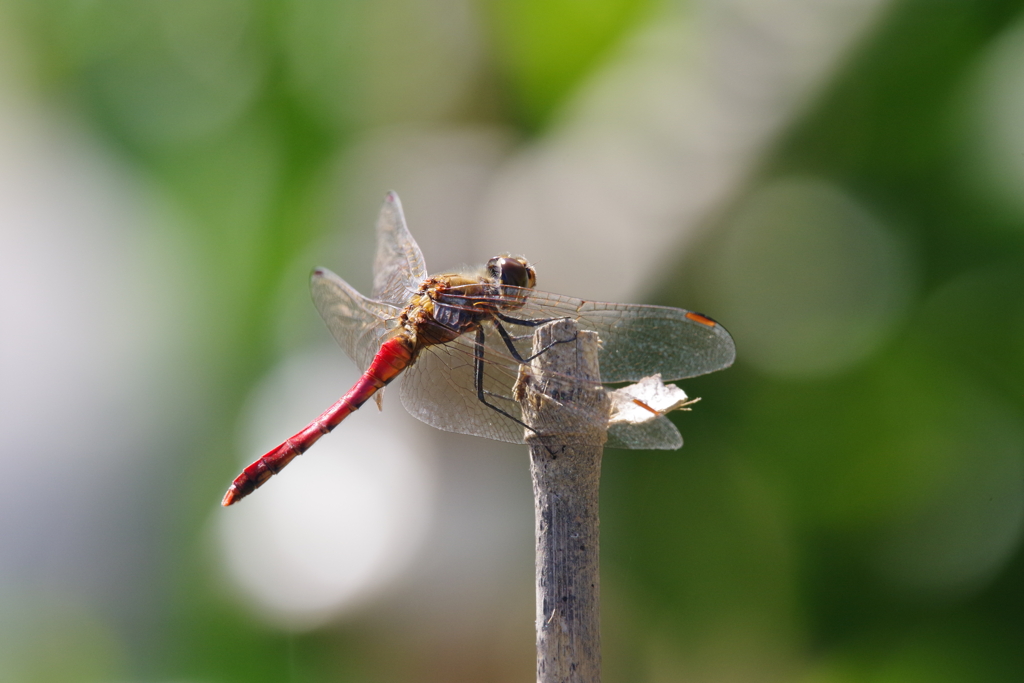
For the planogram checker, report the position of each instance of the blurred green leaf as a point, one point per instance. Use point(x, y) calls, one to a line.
point(544, 48)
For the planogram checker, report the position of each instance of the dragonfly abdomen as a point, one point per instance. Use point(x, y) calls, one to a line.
point(394, 356)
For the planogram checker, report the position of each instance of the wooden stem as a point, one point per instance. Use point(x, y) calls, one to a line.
point(568, 413)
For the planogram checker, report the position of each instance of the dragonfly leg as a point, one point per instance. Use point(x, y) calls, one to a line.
point(526, 321)
point(508, 339)
point(478, 379)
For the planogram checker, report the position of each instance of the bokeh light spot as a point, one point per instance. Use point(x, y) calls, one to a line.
point(807, 280)
point(996, 136)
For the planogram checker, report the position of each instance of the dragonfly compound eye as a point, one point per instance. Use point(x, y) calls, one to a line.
point(512, 270)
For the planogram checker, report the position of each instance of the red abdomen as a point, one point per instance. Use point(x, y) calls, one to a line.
point(394, 356)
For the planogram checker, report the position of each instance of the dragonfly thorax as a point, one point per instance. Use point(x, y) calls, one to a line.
point(445, 307)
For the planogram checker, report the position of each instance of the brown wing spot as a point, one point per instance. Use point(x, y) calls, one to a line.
point(702, 319)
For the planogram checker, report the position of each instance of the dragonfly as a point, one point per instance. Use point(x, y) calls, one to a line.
point(461, 342)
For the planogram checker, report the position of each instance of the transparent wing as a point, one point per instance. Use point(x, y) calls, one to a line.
point(359, 325)
point(639, 341)
point(398, 268)
point(636, 341)
point(440, 389)
point(658, 434)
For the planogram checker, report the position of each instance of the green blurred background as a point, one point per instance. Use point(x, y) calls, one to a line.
point(839, 182)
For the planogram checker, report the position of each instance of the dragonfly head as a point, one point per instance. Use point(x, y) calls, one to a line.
point(512, 270)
